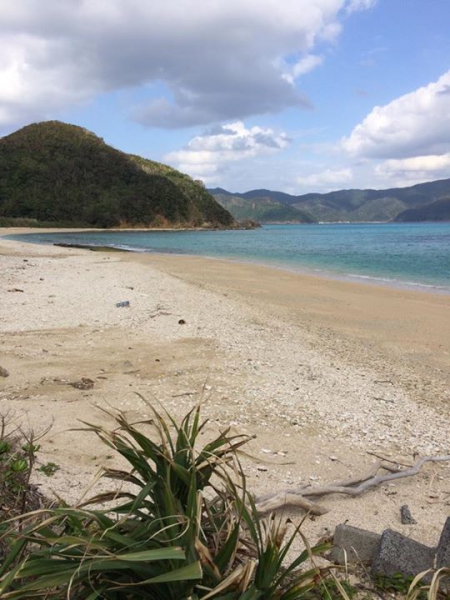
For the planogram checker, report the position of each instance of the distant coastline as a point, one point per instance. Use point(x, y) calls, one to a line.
point(423, 202)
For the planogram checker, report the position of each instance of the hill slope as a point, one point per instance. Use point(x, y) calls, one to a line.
point(356, 205)
point(436, 211)
point(371, 205)
point(61, 173)
point(262, 210)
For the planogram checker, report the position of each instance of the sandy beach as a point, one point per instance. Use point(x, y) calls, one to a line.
point(326, 374)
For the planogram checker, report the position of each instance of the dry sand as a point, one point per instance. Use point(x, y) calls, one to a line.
point(325, 373)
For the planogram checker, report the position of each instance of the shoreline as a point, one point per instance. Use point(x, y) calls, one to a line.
point(325, 373)
point(371, 280)
point(384, 302)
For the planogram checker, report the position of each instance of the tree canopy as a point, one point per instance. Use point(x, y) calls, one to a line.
point(58, 173)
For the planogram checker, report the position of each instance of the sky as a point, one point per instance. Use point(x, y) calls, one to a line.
point(291, 95)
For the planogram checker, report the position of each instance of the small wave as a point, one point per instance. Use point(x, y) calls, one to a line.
point(127, 248)
point(398, 282)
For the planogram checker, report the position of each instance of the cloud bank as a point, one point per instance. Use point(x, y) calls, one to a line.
point(213, 60)
point(416, 124)
point(408, 140)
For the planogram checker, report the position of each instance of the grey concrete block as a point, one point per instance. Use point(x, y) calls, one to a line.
point(443, 549)
point(351, 544)
point(399, 554)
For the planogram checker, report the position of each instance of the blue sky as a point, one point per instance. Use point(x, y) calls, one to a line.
point(291, 95)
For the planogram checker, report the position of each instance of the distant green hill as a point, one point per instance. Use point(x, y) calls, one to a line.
point(355, 205)
point(436, 211)
point(371, 205)
point(351, 205)
point(262, 210)
point(63, 174)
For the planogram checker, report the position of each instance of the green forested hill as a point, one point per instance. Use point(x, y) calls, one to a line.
point(371, 205)
point(436, 211)
point(64, 174)
point(262, 210)
point(359, 205)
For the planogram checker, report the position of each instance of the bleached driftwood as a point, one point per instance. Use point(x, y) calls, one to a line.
point(352, 487)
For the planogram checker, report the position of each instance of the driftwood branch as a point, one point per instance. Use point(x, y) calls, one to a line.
point(351, 487)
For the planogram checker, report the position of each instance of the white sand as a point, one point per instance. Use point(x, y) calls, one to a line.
point(323, 372)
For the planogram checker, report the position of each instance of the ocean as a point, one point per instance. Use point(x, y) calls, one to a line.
point(412, 255)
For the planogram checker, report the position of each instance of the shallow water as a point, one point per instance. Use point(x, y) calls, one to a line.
point(413, 255)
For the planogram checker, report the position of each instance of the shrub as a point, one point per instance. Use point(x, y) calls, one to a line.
point(18, 450)
point(182, 525)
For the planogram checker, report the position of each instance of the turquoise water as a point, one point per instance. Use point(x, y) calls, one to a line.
point(400, 254)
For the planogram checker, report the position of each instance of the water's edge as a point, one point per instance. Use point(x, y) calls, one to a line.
point(403, 257)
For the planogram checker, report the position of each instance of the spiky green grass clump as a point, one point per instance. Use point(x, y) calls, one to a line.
point(182, 526)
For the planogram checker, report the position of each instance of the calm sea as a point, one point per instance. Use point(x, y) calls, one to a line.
point(416, 255)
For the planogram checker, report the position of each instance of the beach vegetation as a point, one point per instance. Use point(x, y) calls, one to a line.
point(49, 469)
point(18, 451)
point(181, 524)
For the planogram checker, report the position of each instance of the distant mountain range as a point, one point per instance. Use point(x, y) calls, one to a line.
point(55, 174)
point(423, 202)
point(261, 209)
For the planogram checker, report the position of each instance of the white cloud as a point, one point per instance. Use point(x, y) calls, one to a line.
point(31, 84)
point(416, 124)
point(208, 154)
point(326, 180)
point(217, 60)
point(409, 171)
point(356, 5)
point(418, 163)
point(304, 65)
